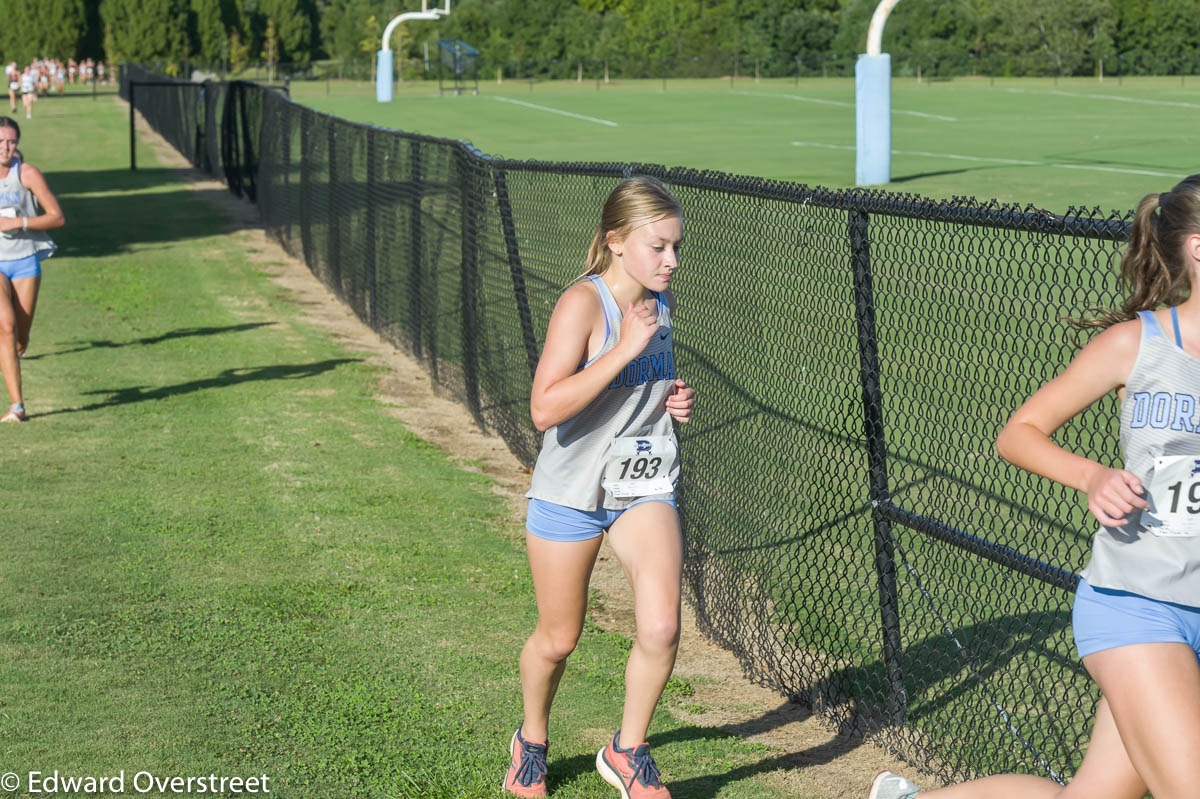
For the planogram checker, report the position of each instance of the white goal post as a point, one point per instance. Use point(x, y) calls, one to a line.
point(384, 66)
point(873, 105)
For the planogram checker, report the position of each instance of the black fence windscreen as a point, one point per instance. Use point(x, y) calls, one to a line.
point(851, 534)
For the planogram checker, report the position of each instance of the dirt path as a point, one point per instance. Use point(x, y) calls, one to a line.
point(810, 761)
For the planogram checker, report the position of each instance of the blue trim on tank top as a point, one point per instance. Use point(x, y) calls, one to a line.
point(603, 310)
point(1150, 323)
point(1175, 322)
point(658, 303)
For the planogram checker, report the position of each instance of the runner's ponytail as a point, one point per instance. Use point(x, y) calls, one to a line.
point(1155, 269)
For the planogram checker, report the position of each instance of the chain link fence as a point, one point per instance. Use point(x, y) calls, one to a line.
point(851, 534)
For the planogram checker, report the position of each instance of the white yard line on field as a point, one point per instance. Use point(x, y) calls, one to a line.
point(537, 107)
point(1116, 97)
point(1012, 161)
point(841, 104)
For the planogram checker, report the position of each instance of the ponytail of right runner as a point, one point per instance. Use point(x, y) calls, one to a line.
point(633, 203)
point(1154, 269)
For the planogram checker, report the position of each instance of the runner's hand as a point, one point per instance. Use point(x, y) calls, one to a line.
point(638, 326)
point(680, 402)
point(1112, 496)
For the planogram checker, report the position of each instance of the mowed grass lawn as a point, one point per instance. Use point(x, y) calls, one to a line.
point(1054, 144)
point(221, 555)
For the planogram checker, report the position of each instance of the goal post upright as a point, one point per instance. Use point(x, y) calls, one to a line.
point(384, 61)
point(873, 105)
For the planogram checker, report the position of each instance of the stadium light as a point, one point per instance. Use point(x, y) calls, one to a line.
point(383, 71)
point(873, 105)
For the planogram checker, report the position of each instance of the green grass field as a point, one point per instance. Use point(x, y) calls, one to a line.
point(222, 555)
point(1053, 144)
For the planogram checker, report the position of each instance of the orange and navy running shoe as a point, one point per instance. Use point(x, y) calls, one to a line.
point(526, 767)
point(633, 772)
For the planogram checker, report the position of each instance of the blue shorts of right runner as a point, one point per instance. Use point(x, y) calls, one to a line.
point(560, 523)
point(1104, 618)
point(30, 266)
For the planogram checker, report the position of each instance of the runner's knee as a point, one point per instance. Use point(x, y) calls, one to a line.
point(558, 646)
point(660, 634)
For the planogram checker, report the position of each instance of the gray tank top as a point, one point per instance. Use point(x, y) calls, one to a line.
point(574, 452)
point(1158, 420)
point(18, 201)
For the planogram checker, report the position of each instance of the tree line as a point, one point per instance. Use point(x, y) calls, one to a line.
point(1019, 37)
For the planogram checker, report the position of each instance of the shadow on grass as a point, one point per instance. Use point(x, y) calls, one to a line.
point(90, 181)
point(936, 669)
point(183, 332)
point(111, 211)
point(229, 377)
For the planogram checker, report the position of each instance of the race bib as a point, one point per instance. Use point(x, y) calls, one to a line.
point(639, 466)
point(1174, 497)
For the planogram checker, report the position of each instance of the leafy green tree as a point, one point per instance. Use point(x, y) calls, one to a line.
point(36, 28)
point(111, 53)
point(270, 52)
point(802, 31)
point(148, 30)
point(293, 25)
point(1157, 35)
point(373, 29)
point(212, 21)
point(1063, 37)
point(239, 52)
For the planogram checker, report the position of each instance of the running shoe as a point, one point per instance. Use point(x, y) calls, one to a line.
point(526, 767)
point(892, 786)
point(633, 772)
point(14, 415)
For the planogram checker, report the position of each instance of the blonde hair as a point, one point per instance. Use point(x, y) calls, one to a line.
point(1153, 268)
point(633, 202)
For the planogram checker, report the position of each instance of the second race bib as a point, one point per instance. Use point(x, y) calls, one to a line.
point(639, 466)
point(1174, 497)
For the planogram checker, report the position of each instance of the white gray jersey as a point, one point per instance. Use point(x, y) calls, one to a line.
point(574, 452)
point(1157, 553)
point(18, 201)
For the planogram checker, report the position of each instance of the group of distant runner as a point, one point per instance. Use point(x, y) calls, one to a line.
point(45, 75)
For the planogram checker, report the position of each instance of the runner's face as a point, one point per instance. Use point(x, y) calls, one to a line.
point(650, 252)
point(8, 146)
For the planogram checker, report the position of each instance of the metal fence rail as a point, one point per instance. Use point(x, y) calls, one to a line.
point(851, 534)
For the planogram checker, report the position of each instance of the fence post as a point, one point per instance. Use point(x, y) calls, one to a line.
point(249, 170)
point(372, 204)
point(470, 278)
point(516, 271)
point(878, 492)
point(284, 151)
point(416, 279)
point(132, 135)
point(305, 191)
point(334, 244)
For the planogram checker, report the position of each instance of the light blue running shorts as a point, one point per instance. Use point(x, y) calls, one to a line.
point(560, 523)
point(30, 266)
point(1104, 618)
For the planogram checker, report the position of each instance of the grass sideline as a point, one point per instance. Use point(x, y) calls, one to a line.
point(223, 556)
point(1051, 143)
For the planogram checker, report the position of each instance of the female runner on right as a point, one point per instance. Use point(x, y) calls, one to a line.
point(1137, 609)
